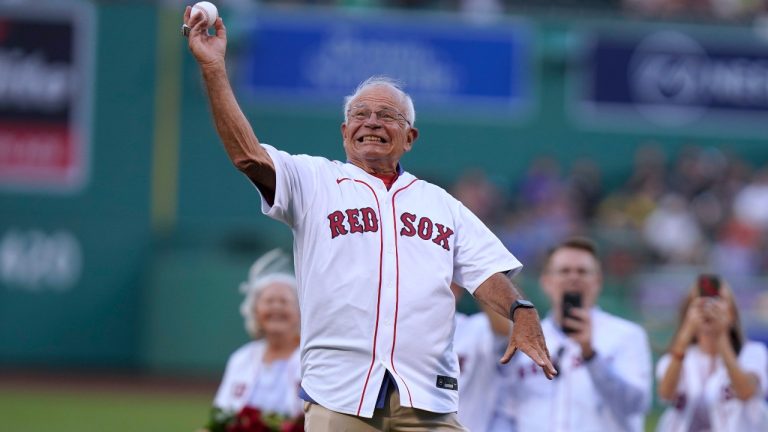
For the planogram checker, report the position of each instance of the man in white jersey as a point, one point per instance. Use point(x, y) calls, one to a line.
point(375, 252)
point(603, 362)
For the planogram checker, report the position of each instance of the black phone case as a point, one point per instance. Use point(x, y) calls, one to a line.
point(570, 300)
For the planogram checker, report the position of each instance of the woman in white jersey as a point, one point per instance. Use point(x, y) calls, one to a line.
point(264, 374)
point(712, 377)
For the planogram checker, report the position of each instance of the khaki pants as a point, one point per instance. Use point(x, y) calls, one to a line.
point(391, 418)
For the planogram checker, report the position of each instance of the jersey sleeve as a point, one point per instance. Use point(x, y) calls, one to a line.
point(295, 180)
point(625, 381)
point(754, 359)
point(222, 400)
point(478, 253)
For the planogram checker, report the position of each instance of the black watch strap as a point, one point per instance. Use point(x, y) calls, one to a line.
point(519, 303)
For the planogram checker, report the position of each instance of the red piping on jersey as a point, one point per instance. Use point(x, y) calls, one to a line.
point(397, 289)
point(378, 299)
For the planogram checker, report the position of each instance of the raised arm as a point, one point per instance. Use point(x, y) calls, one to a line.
point(745, 384)
point(233, 128)
point(498, 293)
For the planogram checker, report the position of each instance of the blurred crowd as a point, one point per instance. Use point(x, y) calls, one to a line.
point(731, 10)
point(704, 208)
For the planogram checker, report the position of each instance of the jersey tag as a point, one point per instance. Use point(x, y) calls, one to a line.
point(448, 383)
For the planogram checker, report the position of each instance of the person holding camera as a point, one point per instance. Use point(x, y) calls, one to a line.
point(603, 361)
point(712, 377)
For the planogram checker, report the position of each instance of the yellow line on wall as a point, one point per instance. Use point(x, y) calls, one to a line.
point(165, 152)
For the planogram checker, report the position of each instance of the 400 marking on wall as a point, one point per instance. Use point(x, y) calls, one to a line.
point(34, 260)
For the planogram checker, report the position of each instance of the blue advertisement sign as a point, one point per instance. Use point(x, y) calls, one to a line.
point(673, 78)
point(442, 64)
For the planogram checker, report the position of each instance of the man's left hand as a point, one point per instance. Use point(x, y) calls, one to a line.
point(528, 338)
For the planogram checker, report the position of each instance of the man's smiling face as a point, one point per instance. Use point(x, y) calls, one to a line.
point(376, 133)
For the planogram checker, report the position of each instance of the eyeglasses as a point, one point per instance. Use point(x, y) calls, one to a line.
point(385, 115)
point(567, 271)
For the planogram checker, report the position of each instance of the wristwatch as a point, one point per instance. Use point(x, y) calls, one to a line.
point(519, 303)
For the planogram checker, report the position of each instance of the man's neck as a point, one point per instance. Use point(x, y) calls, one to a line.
point(376, 167)
point(388, 179)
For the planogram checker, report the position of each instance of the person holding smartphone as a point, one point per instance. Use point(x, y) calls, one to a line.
point(712, 377)
point(603, 361)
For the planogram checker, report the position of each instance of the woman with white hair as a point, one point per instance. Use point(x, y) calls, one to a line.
point(264, 374)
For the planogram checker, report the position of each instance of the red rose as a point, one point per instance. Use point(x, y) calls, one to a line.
point(248, 420)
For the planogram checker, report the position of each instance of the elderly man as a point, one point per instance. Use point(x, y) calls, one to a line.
point(604, 362)
point(375, 252)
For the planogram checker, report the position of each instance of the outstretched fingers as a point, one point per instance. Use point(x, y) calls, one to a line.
point(541, 357)
point(511, 350)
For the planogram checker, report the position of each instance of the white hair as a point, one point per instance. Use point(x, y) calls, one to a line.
point(384, 81)
point(272, 267)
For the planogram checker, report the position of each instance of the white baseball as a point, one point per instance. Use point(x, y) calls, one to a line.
point(208, 10)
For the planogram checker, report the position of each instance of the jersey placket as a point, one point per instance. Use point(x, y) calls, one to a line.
point(392, 209)
point(388, 330)
point(389, 294)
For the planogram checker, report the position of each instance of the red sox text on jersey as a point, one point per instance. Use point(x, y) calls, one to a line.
point(364, 220)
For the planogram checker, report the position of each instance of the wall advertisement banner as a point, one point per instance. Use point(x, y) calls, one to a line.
point(45, 64)
point(486, 68)
point(672, 78)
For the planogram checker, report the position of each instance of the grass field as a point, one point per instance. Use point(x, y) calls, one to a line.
point(51, 403)
point(66, 409)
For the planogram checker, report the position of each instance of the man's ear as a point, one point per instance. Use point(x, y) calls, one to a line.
point(410, 138)
point(344, 137)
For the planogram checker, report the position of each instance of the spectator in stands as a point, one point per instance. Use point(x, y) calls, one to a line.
point(672, 231)
point(712, 377)
point(479, 194)
point(751, 203)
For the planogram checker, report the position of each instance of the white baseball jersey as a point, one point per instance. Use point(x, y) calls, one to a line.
point(700, 384)
point(611, 392)
point(271, 388)
point(374, 268)
point(479, 350)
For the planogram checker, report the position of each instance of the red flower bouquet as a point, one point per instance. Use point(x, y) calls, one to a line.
point(251, 419)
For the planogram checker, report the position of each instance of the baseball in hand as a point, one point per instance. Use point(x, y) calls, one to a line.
point(208, 10)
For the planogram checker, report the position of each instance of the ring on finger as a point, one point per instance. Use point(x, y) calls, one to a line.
point(185, 29)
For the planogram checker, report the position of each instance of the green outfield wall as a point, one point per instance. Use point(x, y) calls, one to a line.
point(138, 266)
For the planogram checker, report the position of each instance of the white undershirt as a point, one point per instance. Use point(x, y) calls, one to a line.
point(269, 388)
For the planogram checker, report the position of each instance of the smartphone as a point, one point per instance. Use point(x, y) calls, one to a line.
point(709, 285)
point(570, 301)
